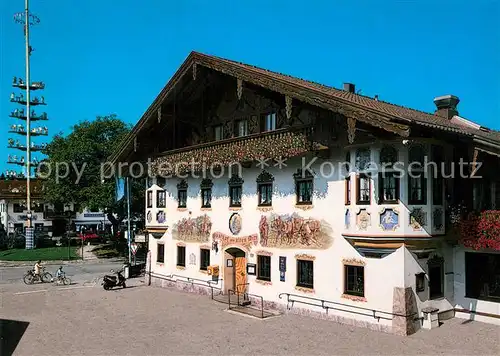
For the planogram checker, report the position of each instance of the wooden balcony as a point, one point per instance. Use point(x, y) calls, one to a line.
point(279, 144)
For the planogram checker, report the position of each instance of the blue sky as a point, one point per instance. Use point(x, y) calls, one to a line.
point(98, 57)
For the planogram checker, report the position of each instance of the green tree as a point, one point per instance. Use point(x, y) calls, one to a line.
point(73, 169)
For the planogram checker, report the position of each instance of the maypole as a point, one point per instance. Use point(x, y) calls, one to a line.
point(28, 114)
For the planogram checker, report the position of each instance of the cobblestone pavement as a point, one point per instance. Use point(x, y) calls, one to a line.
point(152, 321)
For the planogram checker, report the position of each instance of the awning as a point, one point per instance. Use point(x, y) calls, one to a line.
point(91, 222)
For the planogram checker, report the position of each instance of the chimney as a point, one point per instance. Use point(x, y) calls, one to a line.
point(446, 106)
point(349, 87)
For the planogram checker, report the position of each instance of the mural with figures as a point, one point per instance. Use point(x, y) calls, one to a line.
point(193, 229)
point(294, 231)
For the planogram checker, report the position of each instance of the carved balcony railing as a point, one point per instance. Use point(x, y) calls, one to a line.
point(20, 99)
point(279, 144)
point(20, 114)
point(50, 214)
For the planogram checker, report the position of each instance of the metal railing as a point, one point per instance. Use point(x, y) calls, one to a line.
point(195, 281)
point(230, 291)
point(327, 305)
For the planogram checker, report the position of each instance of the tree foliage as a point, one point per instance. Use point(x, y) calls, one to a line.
point(74, 163)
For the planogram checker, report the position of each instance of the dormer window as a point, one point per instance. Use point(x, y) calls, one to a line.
point(149, 199)
point(206, 193)
point(235, 190)
point(161, 196)
point(303, 186)
point(265, 188)
point(182, 194)
point(241, 128)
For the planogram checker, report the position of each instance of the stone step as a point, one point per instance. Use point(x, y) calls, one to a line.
point(254, 312)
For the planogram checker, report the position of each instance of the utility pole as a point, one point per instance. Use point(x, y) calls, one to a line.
point(27, 20)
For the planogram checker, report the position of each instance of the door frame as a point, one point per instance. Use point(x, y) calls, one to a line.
point(231, 253)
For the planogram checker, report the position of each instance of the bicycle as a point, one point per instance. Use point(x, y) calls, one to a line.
point(62, 280)
point(30, 277)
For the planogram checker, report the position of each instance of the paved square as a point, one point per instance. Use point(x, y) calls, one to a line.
point(153, 321)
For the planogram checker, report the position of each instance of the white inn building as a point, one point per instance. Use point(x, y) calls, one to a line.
point(280, 194)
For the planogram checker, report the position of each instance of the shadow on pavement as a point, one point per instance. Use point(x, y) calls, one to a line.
point(11, 332)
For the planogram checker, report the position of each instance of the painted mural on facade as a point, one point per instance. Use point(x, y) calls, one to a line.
point(294, 231)
point(193, 229)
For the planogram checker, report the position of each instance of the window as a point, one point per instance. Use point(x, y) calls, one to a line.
point(181, 256)
point(265, 188)
point(363, 189)
point(149, 199)
point(39, 227)
point(436, 265)
point(241, 128)
point(38, 207)
point(417, 188)
point(347, 163)
point(388, 187)
point(161, 199)
point(348, 191)
point(19, 208)
point(305, 274)
point(182, 194)
point(270, 122)
point(417, 156)
point(160, 253)
point(437, 190)
point(482, 276)
point(388, 156)
point(420, 282)
point(218, 132)
point(264, 268)
point(206, 193)
point(235, 190)
point(303, 186)
point(204, 259)
point(363, 158)
point(161, 181)
point(354, 280)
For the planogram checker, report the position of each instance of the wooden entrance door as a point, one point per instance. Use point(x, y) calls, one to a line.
point(240, 271)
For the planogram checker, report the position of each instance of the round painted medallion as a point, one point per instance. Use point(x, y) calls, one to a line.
point(235, 224)
point(149, 216)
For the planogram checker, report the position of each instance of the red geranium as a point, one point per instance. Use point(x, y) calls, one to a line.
point(481, 231)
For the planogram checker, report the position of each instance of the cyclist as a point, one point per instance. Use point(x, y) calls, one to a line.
point(59, 273)
point(38, 267)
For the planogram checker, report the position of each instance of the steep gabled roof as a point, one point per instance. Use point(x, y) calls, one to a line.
point(378, 113)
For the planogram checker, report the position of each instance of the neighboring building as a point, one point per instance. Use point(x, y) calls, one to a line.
point(371, 250)
point(47, 218)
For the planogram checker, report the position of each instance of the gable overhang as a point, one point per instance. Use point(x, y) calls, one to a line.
point(310, 95)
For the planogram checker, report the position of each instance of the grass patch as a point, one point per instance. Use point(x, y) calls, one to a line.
point(43, 254)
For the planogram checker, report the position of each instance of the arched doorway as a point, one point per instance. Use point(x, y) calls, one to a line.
point(235, 270)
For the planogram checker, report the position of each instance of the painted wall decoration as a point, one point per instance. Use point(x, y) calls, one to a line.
point(418, 218)
point(160, 217)
point(347, 219)
point(294, 231)
point(192, 259)
point(389, 220)
point(235, 223)
point(363, 219)
point(193, 229)
point(149, 216)
point(244, 241)
point(437, 217)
